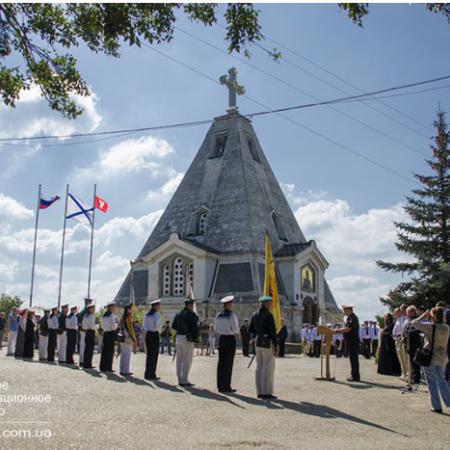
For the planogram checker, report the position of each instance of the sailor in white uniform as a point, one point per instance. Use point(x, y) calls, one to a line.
point(110, 323)
point(72, 331)
point(88, 329)
point(151, 326)
point(226, 327)
point(53, 326)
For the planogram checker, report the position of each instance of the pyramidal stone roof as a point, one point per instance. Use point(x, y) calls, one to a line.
point(230, 179)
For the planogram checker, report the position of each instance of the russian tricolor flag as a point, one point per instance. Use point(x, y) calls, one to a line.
point(44, 204)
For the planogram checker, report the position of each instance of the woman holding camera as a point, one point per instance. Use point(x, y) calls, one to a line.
point(436, 339)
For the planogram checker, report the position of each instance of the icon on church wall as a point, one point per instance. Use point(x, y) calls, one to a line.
point(308, 279)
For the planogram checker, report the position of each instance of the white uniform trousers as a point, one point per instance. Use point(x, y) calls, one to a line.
point(265, 369)
point(184, 355)
point(61, 342)
point(82, 345)
point(125, 356)
point(402, 356)
point(12, 336)
point(43, 345)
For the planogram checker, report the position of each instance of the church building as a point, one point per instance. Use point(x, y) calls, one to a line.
point(210, 238)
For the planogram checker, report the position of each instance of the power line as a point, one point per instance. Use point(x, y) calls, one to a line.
point(295, 88)
point(343, 146)
point(343, 80)
point(369, 95)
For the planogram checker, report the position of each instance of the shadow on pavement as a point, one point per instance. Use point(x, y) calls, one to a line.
point(367, 385)
point(168, 387)
point(205, 393)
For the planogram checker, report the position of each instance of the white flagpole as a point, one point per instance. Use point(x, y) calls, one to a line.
point(62, 250)
point(34, 245)
point(92, 242)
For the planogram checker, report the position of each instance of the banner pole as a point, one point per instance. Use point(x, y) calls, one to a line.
point(92, 242)
point(34, 244)
point(61, 264)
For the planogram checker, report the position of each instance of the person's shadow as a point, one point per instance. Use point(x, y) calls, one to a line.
point(205, 393)
point(367, 385)
point(168, 387)
point(92, 372)
point(322, 411)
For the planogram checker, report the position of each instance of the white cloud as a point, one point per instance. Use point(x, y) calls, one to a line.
point(119, 227)
point(11, 208)
point(128, 156)
point(167, 189)
point(33, 117)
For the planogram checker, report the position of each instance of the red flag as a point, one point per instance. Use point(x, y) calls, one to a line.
point(101, 204)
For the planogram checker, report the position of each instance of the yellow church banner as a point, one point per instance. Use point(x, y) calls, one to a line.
point(270, 283)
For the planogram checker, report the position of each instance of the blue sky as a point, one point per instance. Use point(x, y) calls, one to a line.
point(342, 201)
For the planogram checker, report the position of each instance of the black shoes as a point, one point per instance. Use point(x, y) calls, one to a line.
point(437, 411)
point(227, 391)
point(186, 384)
point(267, 397)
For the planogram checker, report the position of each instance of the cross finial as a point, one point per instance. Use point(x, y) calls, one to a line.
point(233, 88)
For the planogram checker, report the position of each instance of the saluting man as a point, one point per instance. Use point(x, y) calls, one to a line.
point(185, 324)
point(88, 330)
point(53, 326)
point(62, 335)
point(351, 338)
point(71, 330)
point(262, 328)
point(226, 327)
point(150, 326)
point(109, 326)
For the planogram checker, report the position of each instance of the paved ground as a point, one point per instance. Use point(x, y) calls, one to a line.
point(91, 410)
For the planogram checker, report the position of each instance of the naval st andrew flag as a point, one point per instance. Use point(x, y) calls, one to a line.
point(44, 204)
point(79, 210)
point(270, 283)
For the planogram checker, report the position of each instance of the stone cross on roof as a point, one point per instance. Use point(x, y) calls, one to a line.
point(233, 88)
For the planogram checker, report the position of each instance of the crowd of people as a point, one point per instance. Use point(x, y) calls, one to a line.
point(398, 348)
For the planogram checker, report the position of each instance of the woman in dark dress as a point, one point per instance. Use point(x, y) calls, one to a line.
point(28, 348)
point(388, 363)
point(22, 318)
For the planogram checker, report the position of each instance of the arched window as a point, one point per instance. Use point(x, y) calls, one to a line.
point(199, 221)
point(220, 144)
point(174, 273)
point(253, 150)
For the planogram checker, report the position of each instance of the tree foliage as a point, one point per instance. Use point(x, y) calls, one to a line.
point(42, 35)
point(425, 237)
point(7, 302)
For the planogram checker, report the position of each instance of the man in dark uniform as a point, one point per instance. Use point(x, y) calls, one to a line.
point(185, 324)
point(351, 338)
point(282, 337)
point(61, 339)
point(245, 338)
point(226, 327)
point(109, 324)
point(262, 329)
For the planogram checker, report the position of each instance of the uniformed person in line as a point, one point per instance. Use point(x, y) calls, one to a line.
point(109, 323)
point(62, 335)
point(262, 329)
point(43, 336)
point(226, 327)
point(81, 338)
point(88, 333)
point(150, 327)
point(72, 331)
point(185, 324)
point(53, 325)
point(351, 339)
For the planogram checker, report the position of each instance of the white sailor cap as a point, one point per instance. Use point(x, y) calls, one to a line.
point(90, 305)
point(111, 304)
point(155, 302)
point(74, 308)
point(227, 299)
point(347, 306)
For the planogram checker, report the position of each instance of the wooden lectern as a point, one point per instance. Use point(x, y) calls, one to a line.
point(328, 333)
